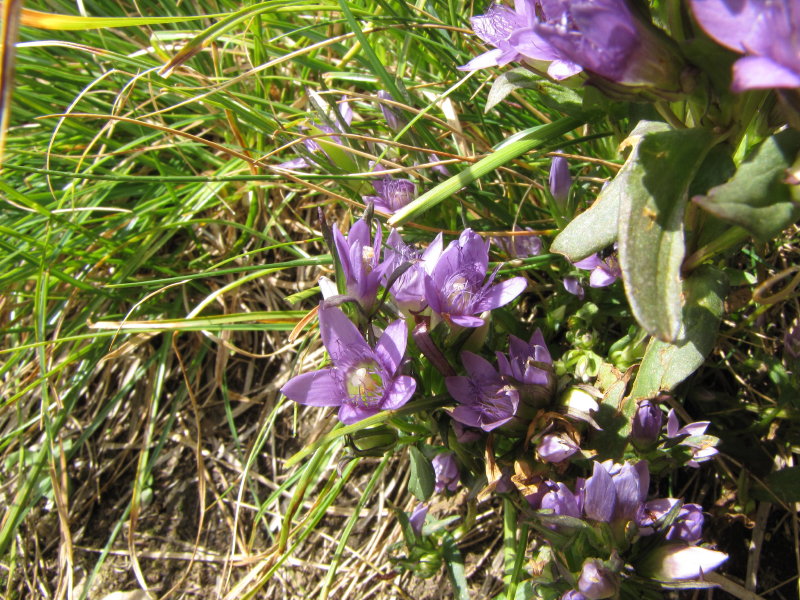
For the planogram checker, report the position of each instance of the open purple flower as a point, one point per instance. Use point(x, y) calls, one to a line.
point(700, 451)
point(500, 27)
point(687, 527)
point(561, 501)
point(615, 492)
point(393, 194)
point(445, 468)
point(484, 399)
point(767, 32)
point(360, 262)
point(529, 362)
point(362, 381)
point(458, 288)
point(604, 271)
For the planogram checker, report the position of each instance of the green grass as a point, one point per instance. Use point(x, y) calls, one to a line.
point(153, 260)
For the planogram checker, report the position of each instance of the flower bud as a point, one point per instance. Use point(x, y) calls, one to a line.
point(417, 517)
point(446, 471)
point(677, 561)
point(374, 441)
point(646, 425)
point(560, 180)
point(556, 448)
point(597, 581)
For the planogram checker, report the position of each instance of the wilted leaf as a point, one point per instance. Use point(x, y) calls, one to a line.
point(756, 197)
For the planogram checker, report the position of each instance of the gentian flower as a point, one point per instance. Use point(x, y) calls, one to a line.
point(676, 561)
point(560, 180)
point(604, 271)
point(520, 246)
point(408, 290)
point(360, 262)
point(390, 115)
point(700, 452)
point(417, 517)
point(572, 595)
point(556, 448)
point(362, 381)
point(767, 32)
point(485, 401)
point(687, 527)
point(615, 492)
point(393, 194)
point(457, 288)
point(500, 27)
point(646, 425)
point(605, 38)
point(597, 581)
point(561, 501)
point(528, 363)
point(446, 470)
point(573, 286)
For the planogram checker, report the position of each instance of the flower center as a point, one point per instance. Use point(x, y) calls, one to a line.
point(367, 258)
point(364, 384)
point(460, 293)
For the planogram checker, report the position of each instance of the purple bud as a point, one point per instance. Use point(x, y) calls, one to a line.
point(446, 470)
point(597, 581)
point(556, 448)
point(688, 527)
point(646, 425)
point(390, 115)
point(561, 501)
point(484, 400)
point(573, 286)
point(560, 180)
point(417, 517)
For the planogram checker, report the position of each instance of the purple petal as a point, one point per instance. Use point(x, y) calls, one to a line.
point(590, 262)
point(401, 390)
point(341, 338)
point(563, 69)
point(501, 293)
point(760, 72)
point(417, 518)
point(349, 414)
point(601, 278)
point(697, 428)
point(479, 368)
point(729, 22)
point(318, 388)
point(628, 493)
point(672, 424)
point(392, 345)
point(466, 321)
point(466, 414)
point(599, 495)
point(573, 286)
point(461, 389)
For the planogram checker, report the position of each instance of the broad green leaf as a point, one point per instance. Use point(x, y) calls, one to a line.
point(652, 201)
point(596, 228)
point(666, 365)
point(506, 83)
point(756, 197)
point(422, 478)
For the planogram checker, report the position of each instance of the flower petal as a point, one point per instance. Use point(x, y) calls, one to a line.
point(341, 338)
point(318, 388)
point(729, 22)
point(599, 495)
point(760, 72)
point(501, 293)
point(349, 414)
point(401, 391)
point(392, 345)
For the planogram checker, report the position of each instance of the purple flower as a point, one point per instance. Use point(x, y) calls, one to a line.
point(360, 262)
point(700, 451)
point(560, 180)
point(390, 115)
point(677, 561)
point(520, 246)
point(647, 422)
point(573, 595)
point(556, 448)
point(604, 271)
point(687, 527)
point(446, 470)
point(408, 290)
point(561, 501)
point(457, 288)
point(767, 32)
point(528, 363)
point(485, 401)
point(615, 492)
point(573, 286)
point(605, 38)
point(500, 27)
point(597, 581)
point(465, 435)
point(393, 194)
point(417, 517)
point(362, 381)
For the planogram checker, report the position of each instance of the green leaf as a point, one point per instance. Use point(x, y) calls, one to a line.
point(785, 484)
point(756, 197)
point(653, 200)
point(506, 83)
point(666, 365)
point(422, 478)
point(596, 228)
point(455, 567)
